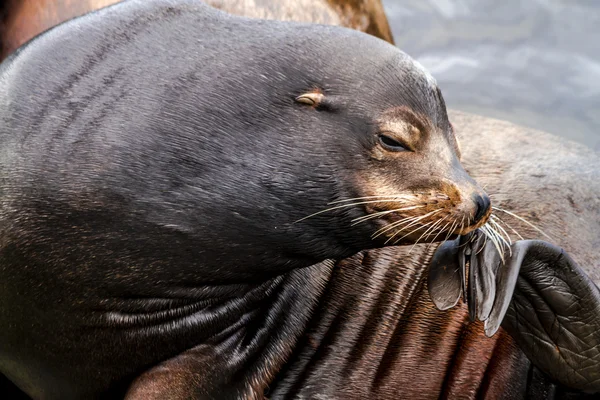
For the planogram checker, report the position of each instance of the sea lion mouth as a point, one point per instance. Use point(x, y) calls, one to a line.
point(422, 218)
point(410, 218)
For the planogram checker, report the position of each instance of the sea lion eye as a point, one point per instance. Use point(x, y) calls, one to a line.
point(391, 144)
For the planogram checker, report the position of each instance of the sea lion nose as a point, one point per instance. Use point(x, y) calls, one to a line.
point(483, 204)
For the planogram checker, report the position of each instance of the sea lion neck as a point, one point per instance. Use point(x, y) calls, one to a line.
point(256, 334)
point(374, 290)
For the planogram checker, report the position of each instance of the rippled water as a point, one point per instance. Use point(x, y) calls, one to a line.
point(535, 62)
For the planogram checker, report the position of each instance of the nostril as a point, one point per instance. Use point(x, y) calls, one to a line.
point(483, 205)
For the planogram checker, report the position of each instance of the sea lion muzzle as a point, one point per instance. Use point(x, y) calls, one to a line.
point(483, 206)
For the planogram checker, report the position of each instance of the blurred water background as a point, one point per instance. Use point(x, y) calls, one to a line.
point(532, 62)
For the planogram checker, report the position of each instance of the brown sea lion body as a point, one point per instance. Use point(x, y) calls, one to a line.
point(377, 313)
point(378, 335)
point(21, 20)
point(552, 182)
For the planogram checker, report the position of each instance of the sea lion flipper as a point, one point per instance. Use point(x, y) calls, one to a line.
point(555, 316)
point(447, 275)
point(464, 254)
point(444, 279)
point(472, 283)
point(485, 264)
point(506, 280)
point(447, 278)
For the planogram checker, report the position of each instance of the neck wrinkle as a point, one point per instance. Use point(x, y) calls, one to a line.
point(357, 326)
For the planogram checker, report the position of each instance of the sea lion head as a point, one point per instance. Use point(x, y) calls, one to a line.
point(330, 141)
point(397, 160)
point(248, 142)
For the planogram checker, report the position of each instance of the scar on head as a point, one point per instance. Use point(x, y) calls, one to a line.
point(312, 98)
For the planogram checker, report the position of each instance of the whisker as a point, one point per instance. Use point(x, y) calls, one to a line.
point(391, 198)
point(502, 230)
point(501, 238)
point(440, 231)
point(495, 217)
point(489, 236)
point(398, 223)
point(523, 220)
point(338, 207)
point(450, 230)
point(394, 225)
point(381, 213)
point(413, 223)
point(497, 234)
point(430, 229)
point(485, 230)
point(436, 227)
point(485, 240)
point(421, 226)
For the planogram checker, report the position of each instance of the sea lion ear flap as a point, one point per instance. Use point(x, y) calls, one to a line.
point(457, 141)
point(554, 316)
point(311, 98)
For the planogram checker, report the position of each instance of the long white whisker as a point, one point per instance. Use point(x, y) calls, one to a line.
point(485, 230)
point(495, 217)
point(500, 238)
point(502, 230)
point(523, 220)
point(485, 240)
point(416, 221)
point(421, 226)
point(440, 231)
point(338, 207)
point(381, 213)
point(439, 228)
point(395, 224)
point(430, 229)
point(388, 198)
point(450, 231)
point(437, 225)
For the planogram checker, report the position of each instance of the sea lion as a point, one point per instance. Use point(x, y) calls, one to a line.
point(131, 213)
point(443, 355)
point(543, 290)
point(21, 20)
